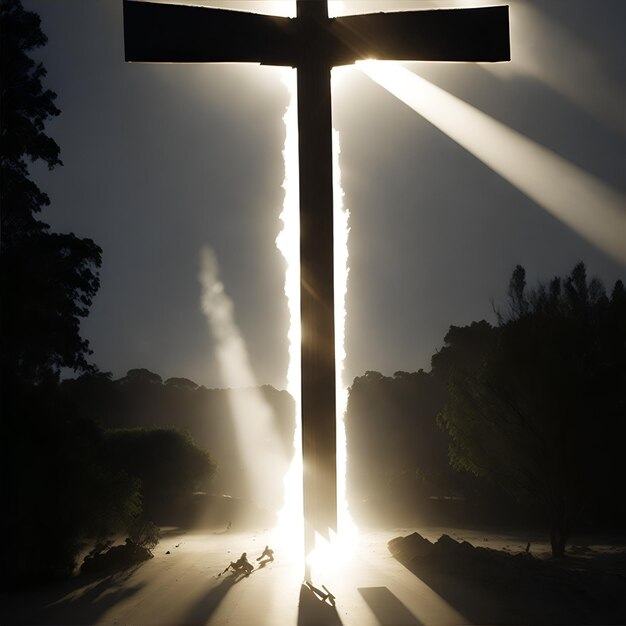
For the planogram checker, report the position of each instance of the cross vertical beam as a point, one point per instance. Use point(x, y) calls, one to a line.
point(319, 449)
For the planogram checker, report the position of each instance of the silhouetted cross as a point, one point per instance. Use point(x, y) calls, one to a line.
point(313, 44)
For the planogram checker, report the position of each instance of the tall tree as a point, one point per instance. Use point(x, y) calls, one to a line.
point(48, 280)
point(544, 415)
point(56, 488)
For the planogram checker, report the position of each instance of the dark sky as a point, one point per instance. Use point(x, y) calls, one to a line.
point(161, 160)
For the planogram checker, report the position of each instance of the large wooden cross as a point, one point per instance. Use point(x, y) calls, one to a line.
point(314, 43)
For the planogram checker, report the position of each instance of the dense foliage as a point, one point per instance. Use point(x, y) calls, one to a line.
point(543, 417)
point(56, 489)
point(48, 280)
point(143, 399)
point(532, 411)
point(168, 464)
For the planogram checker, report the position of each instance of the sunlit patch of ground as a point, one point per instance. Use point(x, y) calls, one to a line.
point(184, 586)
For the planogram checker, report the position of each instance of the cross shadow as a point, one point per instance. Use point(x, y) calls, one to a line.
point(313, 612)
point(387, 608)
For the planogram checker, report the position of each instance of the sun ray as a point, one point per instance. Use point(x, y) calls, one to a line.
point(290, 528)
point(328, 556)
point(584, 80)
point(587, 205)
point(290, 525)
point(252, 416)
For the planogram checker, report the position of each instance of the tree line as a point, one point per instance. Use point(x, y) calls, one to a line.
point(518, 422)
point(142, 399)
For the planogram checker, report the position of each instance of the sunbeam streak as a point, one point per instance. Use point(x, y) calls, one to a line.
point(252, 416)
point(579, 200)
point(290, 528)
point(584, 80)
point(327, 556)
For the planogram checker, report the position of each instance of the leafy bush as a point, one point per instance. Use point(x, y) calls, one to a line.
point(544, 415)
point(144, 534)
point(167, 462)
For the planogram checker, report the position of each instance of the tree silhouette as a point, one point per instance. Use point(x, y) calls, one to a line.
point(544, 415)
point(57, 490)
point(47, 279)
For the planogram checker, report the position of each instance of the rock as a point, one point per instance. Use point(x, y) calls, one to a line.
point(407, 548)
point(448, 552)
point(115, 558)
point(446, 544)
point(498, 587)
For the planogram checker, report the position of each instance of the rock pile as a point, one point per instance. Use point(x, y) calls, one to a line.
point(491, 586)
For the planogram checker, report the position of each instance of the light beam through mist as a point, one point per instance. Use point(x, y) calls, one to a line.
point(259, 445)
point(587, 205)
point(290, 528)
point(328, 557)
point(583, 80)
point(548, 52)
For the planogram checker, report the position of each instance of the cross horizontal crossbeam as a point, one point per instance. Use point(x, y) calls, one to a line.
point(187, 34)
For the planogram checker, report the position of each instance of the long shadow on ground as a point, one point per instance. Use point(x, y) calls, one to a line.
point(202, 610)
point(82, 600)
point(490, 586)
point(387, 608)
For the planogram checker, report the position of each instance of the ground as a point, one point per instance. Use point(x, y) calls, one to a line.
point(184, 586)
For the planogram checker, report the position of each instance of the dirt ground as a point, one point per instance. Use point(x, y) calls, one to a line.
point(371, 588)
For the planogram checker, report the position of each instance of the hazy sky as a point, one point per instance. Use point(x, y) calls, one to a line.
point(163, 160)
